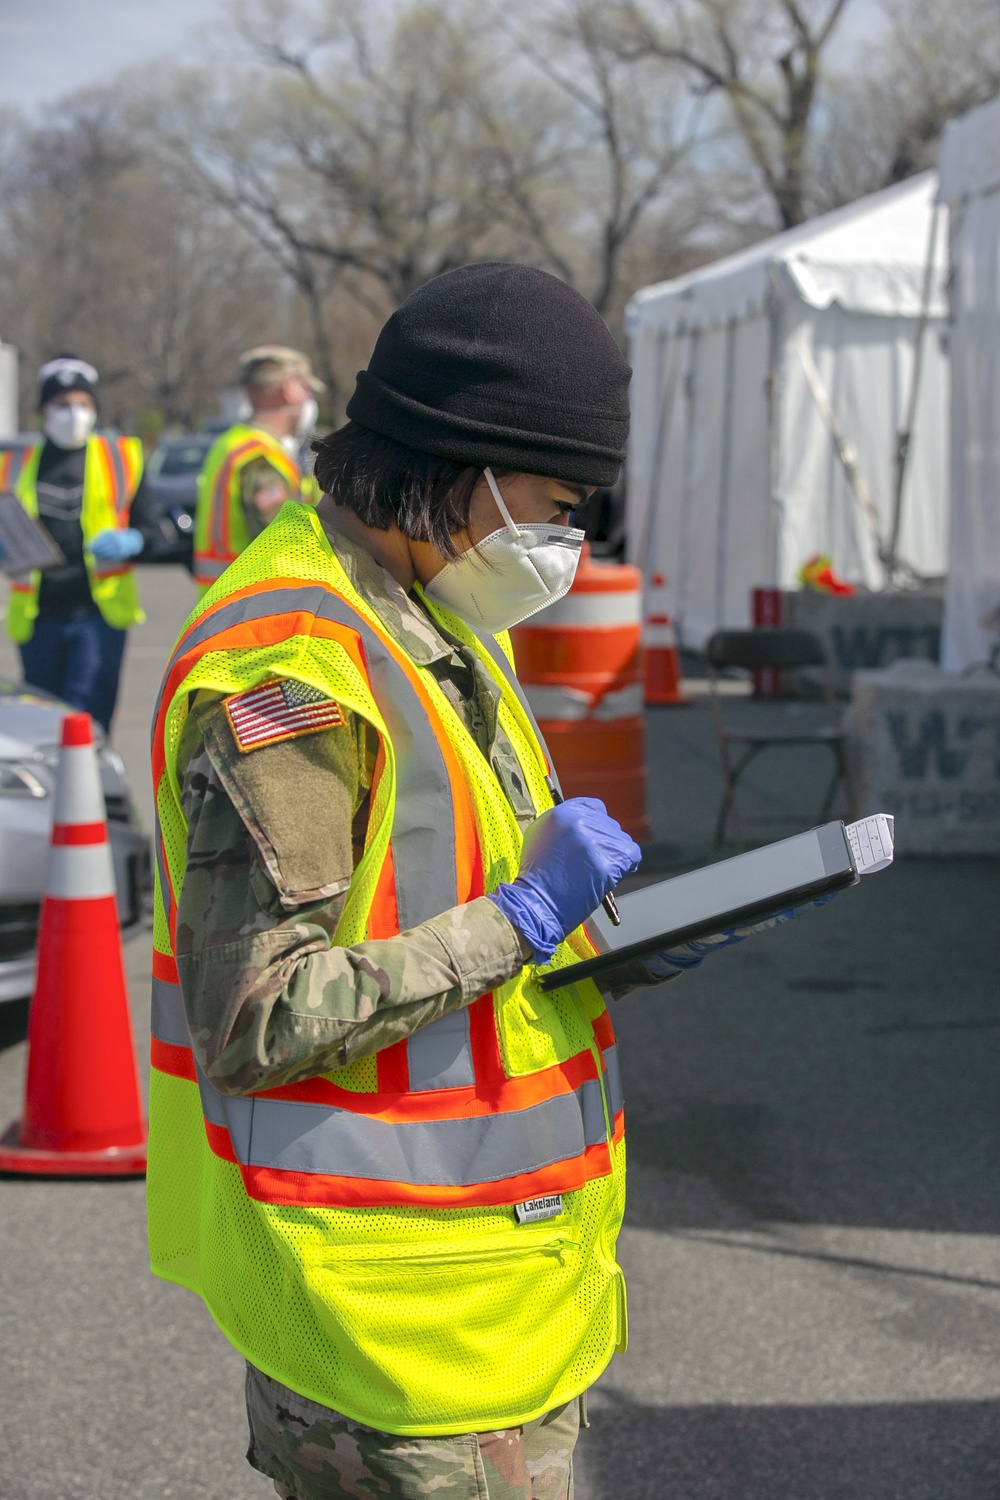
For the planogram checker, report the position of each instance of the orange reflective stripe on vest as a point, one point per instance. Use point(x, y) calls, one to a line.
point(12, 461)
point(440, 1151)
point(220, 526)
point(446, 1126)
point(220, 529)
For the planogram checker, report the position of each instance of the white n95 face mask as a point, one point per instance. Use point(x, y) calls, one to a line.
point(69, 426)
point(513, 573)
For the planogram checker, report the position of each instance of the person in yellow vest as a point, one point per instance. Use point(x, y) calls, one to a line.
point(389, 1162)
point(70, 621)
point(253, 468)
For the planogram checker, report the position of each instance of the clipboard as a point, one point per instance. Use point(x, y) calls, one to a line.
point(733, 893)
point(25, 541)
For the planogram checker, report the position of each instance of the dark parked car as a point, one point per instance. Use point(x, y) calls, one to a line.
point(172, 471)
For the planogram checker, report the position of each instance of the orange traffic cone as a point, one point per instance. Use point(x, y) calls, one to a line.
point(663, 658)
point(82, 1115)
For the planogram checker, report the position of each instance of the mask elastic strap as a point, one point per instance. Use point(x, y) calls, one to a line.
point(508, 519)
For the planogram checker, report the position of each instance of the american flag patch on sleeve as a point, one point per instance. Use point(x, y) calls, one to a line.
point(280, 710)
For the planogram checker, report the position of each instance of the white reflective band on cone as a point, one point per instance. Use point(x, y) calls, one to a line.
point(79, 798)
point(659, 638)
point(582, 608)
point(80, 872)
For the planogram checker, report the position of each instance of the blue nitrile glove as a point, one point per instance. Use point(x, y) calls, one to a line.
point(572, 855)
point(690, 955)
point(116, 546)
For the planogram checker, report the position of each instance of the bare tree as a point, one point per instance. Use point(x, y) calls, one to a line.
point(370, 149)
point(886, 113)
point(102, 252)
point(633, 140)
point(348, 148)
point(764, 57)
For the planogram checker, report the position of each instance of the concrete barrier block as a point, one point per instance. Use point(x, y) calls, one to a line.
point(867, 631)
point(925, 746)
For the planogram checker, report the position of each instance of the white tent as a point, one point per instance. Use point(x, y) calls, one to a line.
point(769, 394)
point(970, 185)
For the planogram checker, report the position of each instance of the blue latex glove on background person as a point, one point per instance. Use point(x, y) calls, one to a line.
point(691, 955)
point(116, 546)
point(571, 857)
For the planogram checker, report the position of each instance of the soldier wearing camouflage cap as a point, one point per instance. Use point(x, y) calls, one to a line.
point(388, 1161)
point(253, 467)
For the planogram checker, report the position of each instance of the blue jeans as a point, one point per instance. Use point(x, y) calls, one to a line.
point(77, 657)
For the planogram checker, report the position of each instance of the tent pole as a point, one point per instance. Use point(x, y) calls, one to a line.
point(664, 410)
point(774, 395)
point(725, 475)
point(844, 450)
point(687, 478)
point(905, 436)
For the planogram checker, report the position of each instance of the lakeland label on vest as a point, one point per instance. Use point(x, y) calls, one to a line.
point(533, 1209)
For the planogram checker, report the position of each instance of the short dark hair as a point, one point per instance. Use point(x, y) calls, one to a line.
point(388, 484)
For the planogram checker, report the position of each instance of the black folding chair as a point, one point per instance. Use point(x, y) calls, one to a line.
point(784, 651)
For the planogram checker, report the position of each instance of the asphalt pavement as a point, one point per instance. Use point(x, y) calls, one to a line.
point(813, 1232)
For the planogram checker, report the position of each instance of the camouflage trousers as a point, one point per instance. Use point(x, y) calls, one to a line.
point(314, 1453)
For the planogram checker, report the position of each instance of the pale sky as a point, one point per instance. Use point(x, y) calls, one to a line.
point(51, 47)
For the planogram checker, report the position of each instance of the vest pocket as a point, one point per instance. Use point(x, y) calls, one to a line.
point(475, 1331)
point(520, 1244)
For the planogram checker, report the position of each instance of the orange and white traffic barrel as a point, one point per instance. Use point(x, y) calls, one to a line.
point(580, 663)
point(664, 682)
point(82, 1112)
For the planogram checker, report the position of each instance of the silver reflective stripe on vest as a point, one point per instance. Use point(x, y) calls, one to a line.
point(423, 841)
point(497, 655)
point(168, 1021)
point(292, 1137)
point(440, 1056)
point(616, 1099)
point(161, 866)
point(423, 825)
point(423, 831)
point(212, 567)
point(241, 612)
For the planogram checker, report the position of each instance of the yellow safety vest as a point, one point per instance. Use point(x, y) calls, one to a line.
point(220, 528)
point(111, 475)
point(355, 1235)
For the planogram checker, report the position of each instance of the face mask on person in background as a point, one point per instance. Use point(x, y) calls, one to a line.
point(308, 413)
point(513, 573)
point(69, 426)
point(306, 421)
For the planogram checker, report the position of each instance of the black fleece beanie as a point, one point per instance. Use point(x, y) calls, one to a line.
point(66, 373)
point(502, 365)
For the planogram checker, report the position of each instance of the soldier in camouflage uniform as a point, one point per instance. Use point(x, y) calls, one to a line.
point(275, 833)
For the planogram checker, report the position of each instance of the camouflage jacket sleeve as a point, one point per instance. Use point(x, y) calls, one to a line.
point(270, 855)
point(263, 491)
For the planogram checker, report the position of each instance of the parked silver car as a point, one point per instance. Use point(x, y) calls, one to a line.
point(30, 726)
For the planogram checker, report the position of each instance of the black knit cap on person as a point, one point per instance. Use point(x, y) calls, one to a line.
point(66, 373)
point(502, 365)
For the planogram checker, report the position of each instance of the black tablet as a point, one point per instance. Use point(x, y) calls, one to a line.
point(733, 893)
